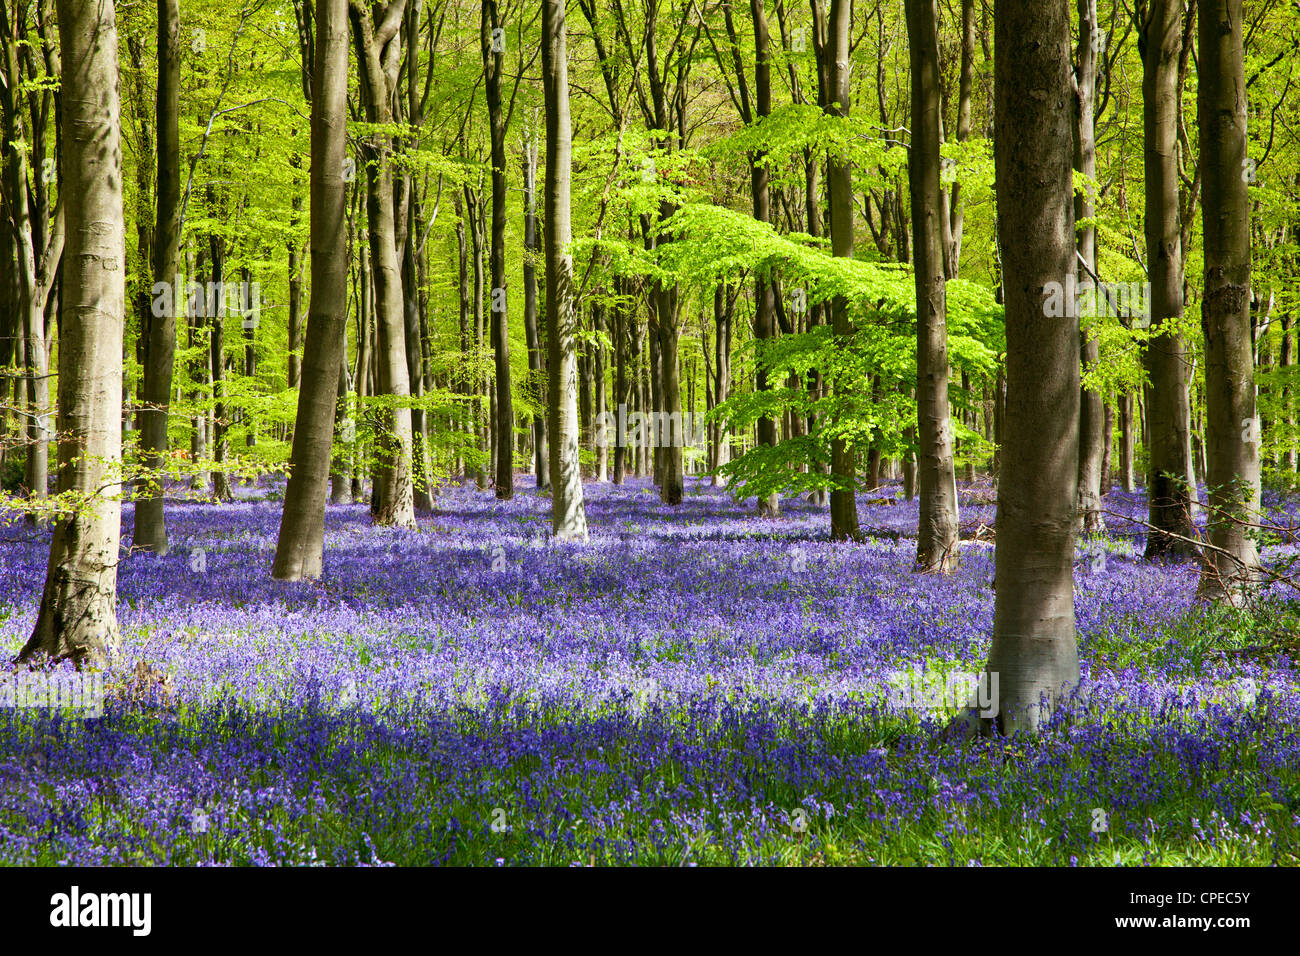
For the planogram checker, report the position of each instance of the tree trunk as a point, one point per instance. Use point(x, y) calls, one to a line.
point(671, 487)
point(339, 477)
point(215, 309)
point(1169, 483)
point(300, 549)
point(764, 306)
point(936, 539)
point(568, 515)
point(150, 524)
point(1092, 412)
point(1034, 653)
point(504, 423)
point(1286, 362)
point(77, 618)
point(295, 293)
point(378, 48)
point(481, 437)
point(1232, 427)
point(723, 307)
point(541, 457)
point(598, 390)
point(421, 479)
point(620, 379)
point(1127, 442)
point(839, 178)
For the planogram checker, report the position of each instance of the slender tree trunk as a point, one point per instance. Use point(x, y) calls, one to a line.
point(339, 478)
point(670, 441)
point(764, 304)
point(215, 308)
point(77, 618)
point(598, 394)
point(493, 63)
point(568, 515)
point(295, 293)
point(839, 176)
point(300, 549)
point(1034, 652)
point(150, 524)
point(1127, 442)
point(421, 479)
point(1169, 483)
point(1107, 431)
point(200, 371)
point(954, 222)
point(536, 363)
point(620, 379)
point(722, 313)
point(1232, 426)
point(481, 437)
point(1286, 362)
point(936, 540)
point(378, 49)
point(1092, 411)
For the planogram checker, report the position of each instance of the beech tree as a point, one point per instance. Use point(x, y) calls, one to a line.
point(492, 37)
point(839, 180)
point(300, 548)
point(568, 514)
point(936, 541)
point(1034, 650)
point(160, 348)
point(378, 43)
point(1093, 437)
point(1232, 424)
point(77, 618)
point(1163, 38)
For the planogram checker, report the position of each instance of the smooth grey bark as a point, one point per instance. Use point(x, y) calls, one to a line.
point(936, 539)
point(299, 551)
point(1034, 651)
point(1169, 482)
point(150, 522)
point(77, 618)
point(568, 514)
point(1232, 425)
point(378, 52)
point(839, 179)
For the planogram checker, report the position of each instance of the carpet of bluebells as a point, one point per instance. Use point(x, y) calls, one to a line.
point(695, 686)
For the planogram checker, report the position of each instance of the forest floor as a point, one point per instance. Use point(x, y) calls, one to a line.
point(695, 686)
